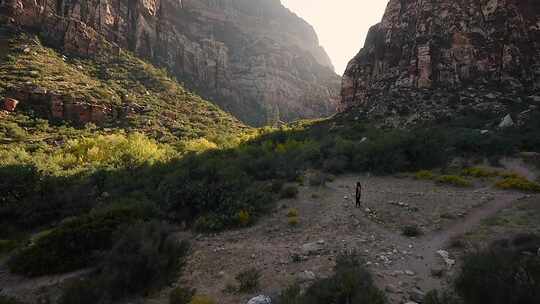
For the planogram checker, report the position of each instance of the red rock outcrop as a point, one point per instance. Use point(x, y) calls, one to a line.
point(10, 104)
point(254, 58)
point(61, 107)
point(429, 59)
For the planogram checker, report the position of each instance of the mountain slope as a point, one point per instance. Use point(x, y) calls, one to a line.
point(433, 61)
point(254, 58)
point(110, 90)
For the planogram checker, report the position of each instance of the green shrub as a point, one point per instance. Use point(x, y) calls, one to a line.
point(411, 231)
point(293, 212)
point(501, 274)
point(479, 172)
point(9, 300)
point(350, 283)
point(244, 218)
point(518, 183)
point(294, 221)
point(74, 244)
point(7, 246)
point(316, 178)
point(144, 258)
point(82, 292)
point(181, 295)
point(290, 295)
point(454, 180)
point(289, 192)
point(248, 280)
point(209, 223)
point(202, 300)
point(435, 297)
point(424, 175)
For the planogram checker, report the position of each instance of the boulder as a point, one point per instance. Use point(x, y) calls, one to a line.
point(446, 257)
point(507, 122)
point(307, 276)
point(260, 300)
point(10, 104)
point(312, 248)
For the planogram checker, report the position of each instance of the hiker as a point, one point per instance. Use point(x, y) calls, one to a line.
point(358, 194)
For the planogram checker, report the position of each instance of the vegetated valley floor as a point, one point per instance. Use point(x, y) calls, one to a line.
point(330, 224)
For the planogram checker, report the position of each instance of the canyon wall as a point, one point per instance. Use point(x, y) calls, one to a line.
point(254, 58)
point(431, 58)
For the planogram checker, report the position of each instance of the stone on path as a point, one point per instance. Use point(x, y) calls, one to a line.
point(260, 300)
point(446, 257)
point(507, 122)
point(312, 248)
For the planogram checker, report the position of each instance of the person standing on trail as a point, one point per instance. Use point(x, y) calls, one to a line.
point(358, 194)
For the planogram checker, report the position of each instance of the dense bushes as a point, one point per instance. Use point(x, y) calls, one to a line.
point(518, 183)
point(350, 283)
point(181, 295)
point(248, 280)
point(144, 258)
point(502, 273)
point(76, 243)
point(506, 272)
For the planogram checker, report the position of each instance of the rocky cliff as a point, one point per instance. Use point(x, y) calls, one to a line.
point(428, 60)
point(254, 58)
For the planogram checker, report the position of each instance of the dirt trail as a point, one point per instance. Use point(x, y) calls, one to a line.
point(428, 246)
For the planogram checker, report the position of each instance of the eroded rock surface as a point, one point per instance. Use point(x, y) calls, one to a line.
point(428, 60)
point(253, 57)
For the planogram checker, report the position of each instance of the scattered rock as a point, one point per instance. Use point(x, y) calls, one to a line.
point(260, 300)
point(535, 98)
point(491, 96)
point(312, 248)
point(410, 273)
point(446, 257)
point(391, 289)
point(10, 104)
point(417, 295)
point(307, 276)
point(507, 122)
point(437, 272)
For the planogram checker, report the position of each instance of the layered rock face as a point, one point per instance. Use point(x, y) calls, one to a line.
point(428, 59)
point(254, 58)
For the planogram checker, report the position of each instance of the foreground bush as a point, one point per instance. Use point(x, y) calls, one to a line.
point(181, 295)
point(350, 283)
point(436, 297)
point(74, 244)
point(248, 280)
point(508, 272)
point(202, 300)
point(144, 259)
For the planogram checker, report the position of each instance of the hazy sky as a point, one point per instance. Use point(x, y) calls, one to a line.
point(341, 25)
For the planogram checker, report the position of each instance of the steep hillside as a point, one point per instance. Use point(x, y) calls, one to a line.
point(118, 91)
point(438, 60)
point(255, 59)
